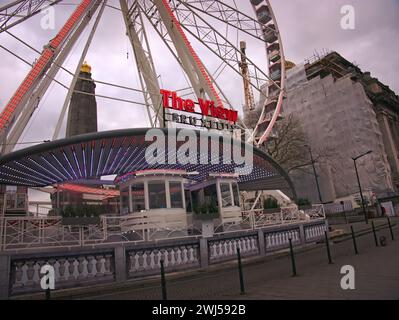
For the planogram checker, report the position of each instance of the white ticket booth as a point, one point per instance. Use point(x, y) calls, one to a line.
point(220, 191)
point(155, 198)
point(169, 199)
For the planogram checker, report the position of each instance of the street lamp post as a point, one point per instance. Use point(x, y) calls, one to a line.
point(360, 186)
point(315, 173)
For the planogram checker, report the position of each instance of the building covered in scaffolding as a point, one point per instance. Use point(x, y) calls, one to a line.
point(349, 111)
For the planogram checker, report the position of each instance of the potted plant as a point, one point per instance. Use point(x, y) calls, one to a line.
point(304, 204)
point(206, 212)
point(80, 215)
point(270, 205)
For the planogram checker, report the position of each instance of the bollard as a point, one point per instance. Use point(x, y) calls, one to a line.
point(328, 248)
point(163, 282)
point(48, 294)
point(292, 259)
point(375, 234)
point(354, 240)
point(390, 228)
point(240, 274)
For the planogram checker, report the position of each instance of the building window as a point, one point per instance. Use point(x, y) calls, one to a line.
point(176, 195)
point(157, 194)
point(226, 195)
point(138, 197)
point(236, 194)
point(125, 200)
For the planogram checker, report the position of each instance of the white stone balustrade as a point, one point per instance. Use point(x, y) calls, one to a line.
point(280, 239)
point(69, 271)
point(227, 248)
point(147, 261)
point(315, 232)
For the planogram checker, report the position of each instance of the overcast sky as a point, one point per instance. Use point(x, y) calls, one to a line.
point(307, 26)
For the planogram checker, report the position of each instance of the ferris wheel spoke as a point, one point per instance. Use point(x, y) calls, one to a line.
point(217, 43)
point(144, 62)
point(230, 15)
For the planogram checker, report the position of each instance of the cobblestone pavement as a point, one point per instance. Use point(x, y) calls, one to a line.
point(377, 276)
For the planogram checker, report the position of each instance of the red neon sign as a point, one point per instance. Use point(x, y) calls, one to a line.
point(207, 107)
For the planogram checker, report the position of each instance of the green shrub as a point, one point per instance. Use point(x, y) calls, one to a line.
point(270, 203)
point(303, 202)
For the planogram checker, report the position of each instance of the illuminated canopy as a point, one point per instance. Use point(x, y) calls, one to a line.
point(121, 152)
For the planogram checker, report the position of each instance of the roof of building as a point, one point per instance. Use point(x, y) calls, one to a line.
point(123, 151)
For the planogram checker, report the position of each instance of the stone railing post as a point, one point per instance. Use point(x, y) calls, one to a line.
point(204, 259)
point(4, 276)
point(302, 233)
point(261, 240)
point(120, 264)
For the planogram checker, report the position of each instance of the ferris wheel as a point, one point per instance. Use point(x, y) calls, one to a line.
point(177, 24)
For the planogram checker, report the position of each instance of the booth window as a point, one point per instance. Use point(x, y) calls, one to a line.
point(226, 195)
point(236, 194)
point(210, 195)
point(157, 194)
point(125, 201)
point(138, 197)
point(176, 195)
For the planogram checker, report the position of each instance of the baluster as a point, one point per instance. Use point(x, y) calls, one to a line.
point(185, 258)
point(243, 244)
point(36, 275)
point(103, 270)
point(221, 248)
point(166, 257)
point(231, 252)
point(56, 266)
point(25, 277)
point(61, 269)
point(159, 258)
point(268, 240)
point(254, 244)
point(225, 251)
point(75, 268)
point(90, 267)
point(173, 256)
point(30, 272)
point(99, 266)
point(179, 258)
point(145, 261)
point(81, 268)
point(107, 264)
point(137, 258)
point(213, 249)
point(18, 274)
point(191, 256)
point(152, 262)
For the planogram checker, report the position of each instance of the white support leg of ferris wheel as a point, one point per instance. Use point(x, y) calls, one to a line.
point(77, 72)
point(201, 85)
point(44, 82)
point(145, 65)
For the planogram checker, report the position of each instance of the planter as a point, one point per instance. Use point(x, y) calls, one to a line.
point(206, 216)
point(80, 221)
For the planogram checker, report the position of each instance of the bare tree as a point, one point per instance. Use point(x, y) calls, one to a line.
point(290, 147)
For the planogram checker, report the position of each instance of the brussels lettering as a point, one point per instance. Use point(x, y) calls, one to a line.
point(207, 108)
